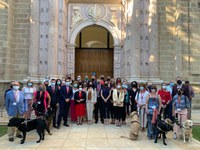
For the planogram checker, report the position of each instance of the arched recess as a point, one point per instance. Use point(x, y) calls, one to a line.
point(71, 45)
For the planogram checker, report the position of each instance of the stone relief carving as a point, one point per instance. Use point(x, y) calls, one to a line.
point(95, 11)
point(76, 16)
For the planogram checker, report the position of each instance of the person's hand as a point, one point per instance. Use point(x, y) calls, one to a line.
point(67, 100)
point(48, 106)
point(57, 104)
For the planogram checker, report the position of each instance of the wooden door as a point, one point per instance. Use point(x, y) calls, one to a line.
point(99, 61)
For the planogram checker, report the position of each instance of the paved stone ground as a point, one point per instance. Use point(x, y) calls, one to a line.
point(94, 137)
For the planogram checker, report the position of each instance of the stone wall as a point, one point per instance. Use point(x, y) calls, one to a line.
point(21, 39)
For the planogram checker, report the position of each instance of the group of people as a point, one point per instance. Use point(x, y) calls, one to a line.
point(113, 99)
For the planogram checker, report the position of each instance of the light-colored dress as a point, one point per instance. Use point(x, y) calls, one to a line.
point(91, 98)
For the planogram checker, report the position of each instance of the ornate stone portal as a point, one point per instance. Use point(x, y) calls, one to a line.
point(133, 25)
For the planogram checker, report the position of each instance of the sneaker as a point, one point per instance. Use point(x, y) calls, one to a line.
point(174, 136)
point(11, 139)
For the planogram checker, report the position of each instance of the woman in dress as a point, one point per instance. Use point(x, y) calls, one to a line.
point(80, 99)
point(91, 99)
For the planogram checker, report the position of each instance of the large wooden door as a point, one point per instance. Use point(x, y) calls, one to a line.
point(99, 61)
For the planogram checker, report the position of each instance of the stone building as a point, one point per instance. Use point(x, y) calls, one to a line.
point(143, 40)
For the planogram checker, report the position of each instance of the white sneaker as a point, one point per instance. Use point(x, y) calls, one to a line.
point(174, 136)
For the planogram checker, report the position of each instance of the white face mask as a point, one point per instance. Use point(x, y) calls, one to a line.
point(118, 86)
point(141, 88)
point(153, 90)
point(164, 87)
point(80, 89)
point(15, 87)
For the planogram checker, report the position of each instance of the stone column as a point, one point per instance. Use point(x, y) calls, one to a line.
point(53, 39)
point(117, 61)
point(153, 40)
point(34, 40)
point(134, 57)
point(71, 60)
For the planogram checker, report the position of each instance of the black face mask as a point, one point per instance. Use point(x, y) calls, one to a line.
point(108, 79)
point(134, 86)
point(179, 82)
point(93, 80)
point(90, 85)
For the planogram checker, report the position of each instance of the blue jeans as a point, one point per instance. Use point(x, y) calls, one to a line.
point(151, 132)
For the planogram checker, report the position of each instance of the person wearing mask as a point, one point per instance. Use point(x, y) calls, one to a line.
point(180, 105)
point(86, 79)
point(16, 106)
point(66, 95)
point(182, 86)
point(85, 86)
point(118, 81)
point(191, 95)
point(105, 97)
point(94, 81)
point(46, 83)
point(170, 87)
point(80, 100)
point(91, 99)
point(140, 99)
point(98, 107)
point(126, 104)
point(72, 103)
point(28, 95)
point(153, 107)
point(118, 99)
point(166, 99)
point(79, 78)
point(102, 80)
point(40, 103)
point(112, 111)
point(132, 93)
point(53, 92)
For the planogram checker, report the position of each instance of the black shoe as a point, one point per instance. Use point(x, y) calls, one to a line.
point(96, 122)
point(19, 136)
point(54, 126)
point(11, 139)
point(66, 125)
point(58, 127)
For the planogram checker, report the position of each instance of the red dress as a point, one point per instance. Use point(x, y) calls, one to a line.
point(80, 107)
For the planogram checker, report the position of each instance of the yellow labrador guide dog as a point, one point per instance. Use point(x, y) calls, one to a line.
point(135, 127)
point(187, 130)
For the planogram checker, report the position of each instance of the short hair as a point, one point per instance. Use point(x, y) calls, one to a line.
point(142, 84)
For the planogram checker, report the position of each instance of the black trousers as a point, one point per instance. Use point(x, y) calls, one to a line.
point(112, 112)
point(118, 113)
point(106, 109)
point(63, 113)
point(98, 107)
point(54, 109)
point(124, 113)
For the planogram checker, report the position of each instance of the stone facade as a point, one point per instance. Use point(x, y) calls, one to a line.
point(155, 40)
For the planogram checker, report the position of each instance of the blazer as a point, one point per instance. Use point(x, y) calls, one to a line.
point(94, 96)
point(53, 95)
point(118, 100)
point(76, 97)
point(65, 94)
point(13, 107)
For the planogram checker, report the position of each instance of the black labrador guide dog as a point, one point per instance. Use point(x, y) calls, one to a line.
point(162, 127)
point(25, 126)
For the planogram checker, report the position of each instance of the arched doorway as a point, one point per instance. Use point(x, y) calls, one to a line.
point(94, 52)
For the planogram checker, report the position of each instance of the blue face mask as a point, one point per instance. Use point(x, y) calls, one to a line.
point(67, 83)
point(58, 83)
point(75, 85)
point(171, 84)
point(53, 84)
point(30, 84)
point(15, 87)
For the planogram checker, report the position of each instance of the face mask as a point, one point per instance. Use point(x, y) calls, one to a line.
point(171, 84)
point(30, 84)
point(141, 88)
point(179, 82)
point(70, 82)
point(134, 85)
point(118, 86)
point(164, 87)
point(78, 79)
point(41, 88)
point(80, 89)
point(153, 90)
point(63, 82)
point(15, 87)
point(93, 80)
point(67, 83)
point(124, 86)
point(90, 85)
point(58, 83)
point(75, 85)
point(106, 84)
point(108, 79)
point(53, 84)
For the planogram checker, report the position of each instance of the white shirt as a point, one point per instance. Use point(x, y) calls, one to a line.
point(16, 94)
point(28, 92)
point(142, 97)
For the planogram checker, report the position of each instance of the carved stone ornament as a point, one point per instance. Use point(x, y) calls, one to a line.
point(76, 17)
point(95, 11)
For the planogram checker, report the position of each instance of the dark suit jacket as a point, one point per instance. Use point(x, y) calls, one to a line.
point(65, 94)
point(185, 90)
point(76, 97)
point(53, 95)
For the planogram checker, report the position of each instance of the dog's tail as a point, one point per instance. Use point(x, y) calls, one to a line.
point(125, 137)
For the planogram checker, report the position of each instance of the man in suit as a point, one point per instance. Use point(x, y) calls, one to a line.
point(53, 92)
point(16, 106)
point(64, 102)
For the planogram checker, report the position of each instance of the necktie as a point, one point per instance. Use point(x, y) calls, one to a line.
point(67, 89)
point(53, 89)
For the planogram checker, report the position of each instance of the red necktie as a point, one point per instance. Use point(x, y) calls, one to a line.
point(67, 89)
point(53, 89)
